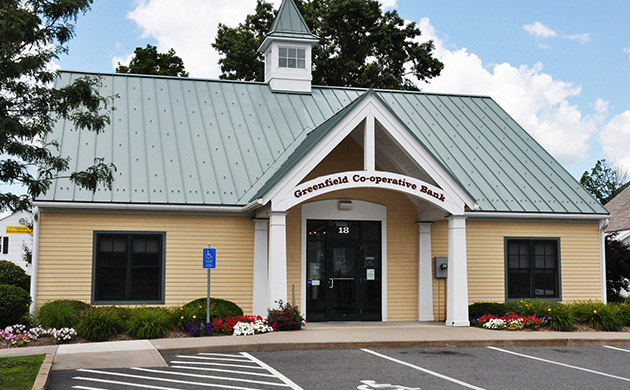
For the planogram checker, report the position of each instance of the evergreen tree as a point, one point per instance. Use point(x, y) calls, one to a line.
point(150, 61)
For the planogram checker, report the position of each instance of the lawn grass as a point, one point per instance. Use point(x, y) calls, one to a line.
point(18, 373)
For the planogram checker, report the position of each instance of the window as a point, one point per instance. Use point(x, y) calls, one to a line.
point(291, 57)
point(128, 267)
point(4, 245)
point(533, 268)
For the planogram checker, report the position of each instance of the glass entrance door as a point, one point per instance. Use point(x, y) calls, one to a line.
point(343, 275)
point(342, 301)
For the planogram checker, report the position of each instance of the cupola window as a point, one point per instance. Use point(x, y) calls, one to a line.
point(292, 57)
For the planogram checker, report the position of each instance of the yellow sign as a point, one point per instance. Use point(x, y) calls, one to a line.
point(19, 230)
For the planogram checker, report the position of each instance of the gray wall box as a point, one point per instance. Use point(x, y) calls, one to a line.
point(441, 267)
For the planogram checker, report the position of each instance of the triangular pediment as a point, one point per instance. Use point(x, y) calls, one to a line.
point(392, 159)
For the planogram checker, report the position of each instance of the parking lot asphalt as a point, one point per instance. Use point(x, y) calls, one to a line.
point(480, 368)
point(320, 336)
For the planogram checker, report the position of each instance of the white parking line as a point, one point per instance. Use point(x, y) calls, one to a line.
point(448, 378)
point(221, 359)
point(617, 349)
point(273, 371)
point(222, 378)
point(561, 364)
point(223, 370)
point(120, 374)
point(131, 384)
point(217, 364)
point(88, 388)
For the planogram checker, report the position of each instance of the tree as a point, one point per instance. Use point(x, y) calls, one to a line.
point(617, 268)
point(358, 45)
point(604, 181)
point(149, 61)
point(33, 34)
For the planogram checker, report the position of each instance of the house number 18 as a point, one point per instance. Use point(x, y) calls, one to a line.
point(344, 230)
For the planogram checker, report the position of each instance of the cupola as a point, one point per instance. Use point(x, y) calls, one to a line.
point(287, 47)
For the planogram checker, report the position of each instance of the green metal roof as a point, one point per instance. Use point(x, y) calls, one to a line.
point(215, 142)
point(289, 23)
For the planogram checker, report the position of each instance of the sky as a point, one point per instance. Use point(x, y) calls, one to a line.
point(560, 68)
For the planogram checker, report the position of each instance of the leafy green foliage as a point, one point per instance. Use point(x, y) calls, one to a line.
point(604, 181)
point(598, 315)
point(14, 303)
point(13, 274)
point(61, 313)
point(285, 317)
point(479, 309)
point(195, 311)
point(150, 61)
point(617, 267)
point(149, 322)
point(19, 372)
point(100, 323)
point(34, 33)
point(561, 318)
point(358, 45)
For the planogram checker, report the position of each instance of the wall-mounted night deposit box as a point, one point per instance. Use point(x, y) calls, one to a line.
point(441, 267)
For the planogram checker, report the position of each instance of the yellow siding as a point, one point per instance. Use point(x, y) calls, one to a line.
point(439, 248)
point(579, 257)
point(402, 234)
point(65, 257)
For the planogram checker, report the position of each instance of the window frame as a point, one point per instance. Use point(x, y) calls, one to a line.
point(530, 240)
point(287, 57)
point(128, 233)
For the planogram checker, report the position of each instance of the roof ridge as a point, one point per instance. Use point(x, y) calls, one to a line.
point(290, 20)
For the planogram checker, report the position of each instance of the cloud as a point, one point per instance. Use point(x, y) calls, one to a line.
point(190, 27)
point(123, 61)
point(544, 46)
point(615, 139)
point(583, 38)
point(537, 101)
point(389, 4)
point(626, 50)
point(539, 30)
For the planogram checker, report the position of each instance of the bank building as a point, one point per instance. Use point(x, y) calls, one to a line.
point(360, 204)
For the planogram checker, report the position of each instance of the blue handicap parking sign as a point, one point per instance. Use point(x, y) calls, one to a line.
point(209, 257)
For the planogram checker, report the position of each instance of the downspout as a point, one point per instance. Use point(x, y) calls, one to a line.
point(34, 259)
point(603, 224)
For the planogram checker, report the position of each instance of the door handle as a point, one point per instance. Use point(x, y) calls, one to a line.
point(331, 282)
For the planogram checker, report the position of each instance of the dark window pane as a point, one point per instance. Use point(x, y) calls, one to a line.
point(282, 62)
point(282, 51)
point(371, 231)
point(301, 53)
point(301, 64)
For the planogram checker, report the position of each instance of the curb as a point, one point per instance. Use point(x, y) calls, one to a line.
point(268, 347)
point(42, 376)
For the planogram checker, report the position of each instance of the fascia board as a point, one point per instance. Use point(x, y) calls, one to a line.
point(134, 207)
point(548, 216)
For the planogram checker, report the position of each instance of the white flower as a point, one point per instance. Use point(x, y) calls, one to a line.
point(249, 328)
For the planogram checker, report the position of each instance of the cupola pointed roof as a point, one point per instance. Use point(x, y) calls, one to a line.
point(289, 23)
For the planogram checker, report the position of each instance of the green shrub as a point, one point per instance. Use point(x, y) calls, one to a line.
point(14, 303)
point(149, 322)
point(529, 307)
point(597, 315)
point(195, 311)
point(623, 311)
point(285, 317)
point(14, 275)
point(561, 318)
point(100, 323)
point(61, 313)
point(479, 309)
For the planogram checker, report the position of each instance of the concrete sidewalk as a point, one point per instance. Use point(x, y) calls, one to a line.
point(148, 353)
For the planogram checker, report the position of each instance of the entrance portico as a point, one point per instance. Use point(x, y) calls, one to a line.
point(392, 161)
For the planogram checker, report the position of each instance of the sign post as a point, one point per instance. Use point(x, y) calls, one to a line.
point(209, 262)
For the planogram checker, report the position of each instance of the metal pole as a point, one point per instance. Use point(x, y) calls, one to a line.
point(208, 298)
point(293, 295)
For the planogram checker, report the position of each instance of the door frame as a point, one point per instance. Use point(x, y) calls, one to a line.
point(361, 211)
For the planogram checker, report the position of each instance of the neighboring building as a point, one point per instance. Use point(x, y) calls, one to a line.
point(619, 208)
point(373, 204)
point(16, 234)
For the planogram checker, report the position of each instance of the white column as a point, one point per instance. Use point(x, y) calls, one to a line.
point(425, 275)
point(457, 282)
point(369, 158)
point(277, 279)
point(260, 290)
